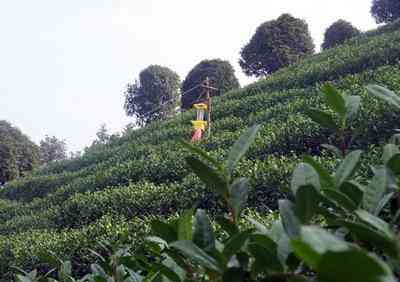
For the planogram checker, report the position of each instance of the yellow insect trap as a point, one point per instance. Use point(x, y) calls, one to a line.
point(199, 124)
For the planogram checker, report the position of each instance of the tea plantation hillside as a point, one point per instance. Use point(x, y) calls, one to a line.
point(112, 191)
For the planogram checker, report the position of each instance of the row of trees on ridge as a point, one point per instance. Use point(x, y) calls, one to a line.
point(275, 44)
point(156, 94)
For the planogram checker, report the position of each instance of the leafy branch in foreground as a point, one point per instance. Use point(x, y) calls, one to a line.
point(345, 108)
point(218, 176)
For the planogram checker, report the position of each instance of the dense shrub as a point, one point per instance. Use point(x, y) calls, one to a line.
point(338, 33)
point(52, 149)
point(276, 44)
point(385, 11)
point(18, 154)
point(221, 76)
point(154, 96)
point(27, 249)
point(387, 28)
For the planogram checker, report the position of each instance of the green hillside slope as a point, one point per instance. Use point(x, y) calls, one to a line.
point(114, 189)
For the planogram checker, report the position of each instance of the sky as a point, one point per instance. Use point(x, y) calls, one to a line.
point(64, 64)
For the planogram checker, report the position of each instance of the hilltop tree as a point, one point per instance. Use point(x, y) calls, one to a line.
point(385, 11)
point(104, 137)
point(52, 149)
point(221, 76)
point(18, 154)
point(155, 96)
point(338, 33)
point(102, 134)
point(276, 44)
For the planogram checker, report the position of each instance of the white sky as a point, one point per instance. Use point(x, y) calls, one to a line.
point(64, 64)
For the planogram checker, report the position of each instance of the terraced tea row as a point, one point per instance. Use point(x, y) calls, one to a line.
point(285, 134)
point(284, 125)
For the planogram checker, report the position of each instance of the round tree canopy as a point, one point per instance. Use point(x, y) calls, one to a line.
point(18, 154)
point(221, 76)
point(155, 96)
point(385, 11)
point(276, 44)
point(338, 33)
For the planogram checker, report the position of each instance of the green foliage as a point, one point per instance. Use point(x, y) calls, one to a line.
point(338, 33)
point(385, 11)
point(346, 108)
point(102, 135)
point(281, 135)
point(297, 247)
point(385, 94)
point(357, 55)
point(52, 149)
point(361, 55)
point(18, 154)
point(219, 178)
point(154, 97)
point(276, 44)
point(31, 248)
point(221, 76)
point(390, 27)
point(66, 206)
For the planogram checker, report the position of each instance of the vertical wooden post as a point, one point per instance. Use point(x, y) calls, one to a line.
point(209, 105)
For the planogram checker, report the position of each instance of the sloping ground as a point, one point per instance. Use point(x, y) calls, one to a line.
point(114, 189)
